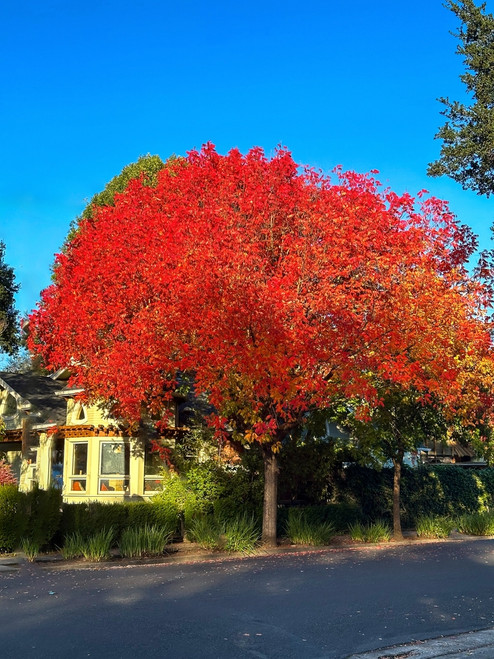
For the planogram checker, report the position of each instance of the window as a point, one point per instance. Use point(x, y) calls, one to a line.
point(153, 471)
point(10, 405)
point(79, 413)
point(114, 467)
point(78, 477)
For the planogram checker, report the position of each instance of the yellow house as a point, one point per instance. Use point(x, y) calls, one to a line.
point(53, 439)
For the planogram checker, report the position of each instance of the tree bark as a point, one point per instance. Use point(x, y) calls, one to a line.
point(397, 463)
point(270, 506)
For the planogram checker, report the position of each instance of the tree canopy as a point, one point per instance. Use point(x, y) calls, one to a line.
point(9, 331)
point(467, 150)
point(277, 287)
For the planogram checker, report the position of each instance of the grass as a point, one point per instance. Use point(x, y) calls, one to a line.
point(97, 547)
point(149, 540)
point(428, 526)
point(302, 531)
point(73, 546)
point(94, 548)
point(239, 534)
point(378, 531)
point(477, 524)
point(30, 548)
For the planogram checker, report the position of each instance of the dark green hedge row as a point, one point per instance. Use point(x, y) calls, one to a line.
point(34, 515)
point(89, 518)
point(435, 490)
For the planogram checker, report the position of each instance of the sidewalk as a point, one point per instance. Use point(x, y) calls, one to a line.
point(478, 645)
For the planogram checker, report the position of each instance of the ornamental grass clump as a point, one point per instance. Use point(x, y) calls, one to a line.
point(73, 546)
point(477, 524)
point(428, 526)
point(378, 531)
point(97, 547)
point(149, 540)
point(239, 533)
point(30, 548)
point(302, 531)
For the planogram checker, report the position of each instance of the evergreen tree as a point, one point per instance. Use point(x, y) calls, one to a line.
point(467, 152)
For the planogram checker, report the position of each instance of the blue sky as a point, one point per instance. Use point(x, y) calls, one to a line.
point(88, 87)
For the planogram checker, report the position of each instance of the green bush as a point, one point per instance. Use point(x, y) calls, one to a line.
point(13, 519)
point(428, 526)
point(440, 491)
point(303, 531)
point(378, 531)
point(73, 546)
point(239, 533)
point(477, 523)
point(145, 540)
point(30, 548)
point(44, 512)
point(89, 518)
point(97, 546)
point(155, 513)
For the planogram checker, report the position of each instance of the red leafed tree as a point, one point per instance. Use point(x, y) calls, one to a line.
point(278, 288)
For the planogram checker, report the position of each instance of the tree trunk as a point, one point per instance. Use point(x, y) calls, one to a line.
point(397, 463)
point(270, 507)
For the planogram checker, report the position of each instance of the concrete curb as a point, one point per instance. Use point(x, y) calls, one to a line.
point(477, 644)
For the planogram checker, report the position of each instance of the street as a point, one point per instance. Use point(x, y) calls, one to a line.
point(322, 604)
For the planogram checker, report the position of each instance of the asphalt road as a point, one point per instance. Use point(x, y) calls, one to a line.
point(318, 605)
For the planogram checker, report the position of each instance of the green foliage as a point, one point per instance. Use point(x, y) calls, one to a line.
point(43, 509)
point(144, 513)
point(31, 548)
point(428, 526)
point(146, 166)
point(179, 499)
point(73, 546)
point(439, 490)
point(144, 540)
point(9, 332)
point(307, 469)
point(89, 518)
point(477, 523)
point(339, 515)
point(13, 521)
point(468, 134)
point(239, 534)
point(97, 547)
point(206, 531)
point(378, 531)
point(303, 531)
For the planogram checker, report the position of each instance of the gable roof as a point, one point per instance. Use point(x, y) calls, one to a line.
point(36, 394)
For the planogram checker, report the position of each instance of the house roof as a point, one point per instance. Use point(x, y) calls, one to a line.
point(36, 394)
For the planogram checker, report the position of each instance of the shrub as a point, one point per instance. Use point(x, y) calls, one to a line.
point(378, 531)
point(155, 513)
point(43, 509)
point(30, 548)
point(13, 520)
point(240, 533)
point(97, 547)
point(206, 531)
point(150, 540)
point(90, 518)
point(303, 531)
point(179, 499)
point(6, 474)
point(477, 524)
point(429, 526)
point(73, 546)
